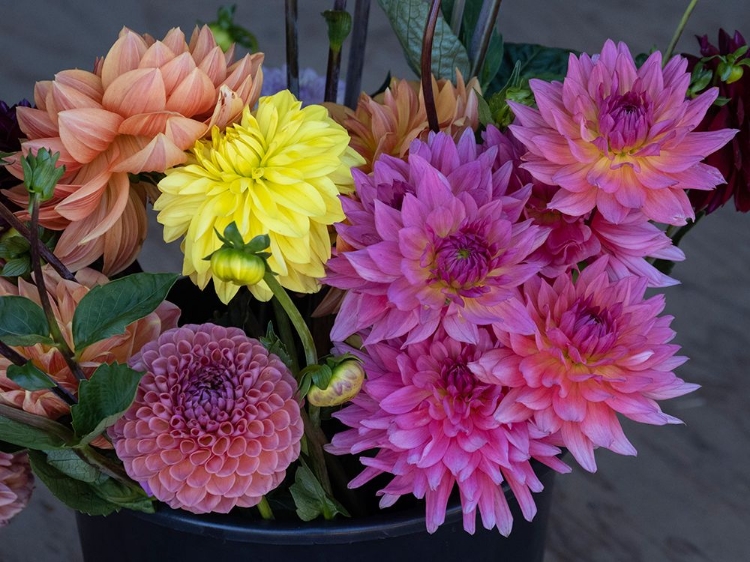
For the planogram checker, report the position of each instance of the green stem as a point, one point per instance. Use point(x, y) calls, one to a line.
point(285, 333)
point(292, 48)
point(679, 30)
point(45, 252)
point(36, 267)
point(426, 67)
point(265, 510)
point(38, 422)
point(480, 41)
point(308, 344)
point(107, 466)
point(315, 441)
point(17, 359)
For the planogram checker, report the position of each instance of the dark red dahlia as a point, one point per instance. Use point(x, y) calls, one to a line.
point(733, 160)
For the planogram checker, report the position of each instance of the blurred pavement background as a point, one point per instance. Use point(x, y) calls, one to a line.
point(686, 497)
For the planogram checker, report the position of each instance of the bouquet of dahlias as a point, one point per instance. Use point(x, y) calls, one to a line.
point(441, 284)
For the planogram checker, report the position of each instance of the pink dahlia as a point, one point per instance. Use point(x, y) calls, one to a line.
point(573, 240)
point(215, 422)
point(433, 241)
point(431, 422)
point(600, 348)
point(16, 484)
point(616, 137)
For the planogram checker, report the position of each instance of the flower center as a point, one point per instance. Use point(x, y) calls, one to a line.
point(207, 397)
point(462, 260)
point(624, 121)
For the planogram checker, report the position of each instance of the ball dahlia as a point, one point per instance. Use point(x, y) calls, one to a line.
point(145, 103)
point(599, 349)
point(431, 423)
point(278, 172)
point(16, 484)
point(616, 137)
point(215, 422)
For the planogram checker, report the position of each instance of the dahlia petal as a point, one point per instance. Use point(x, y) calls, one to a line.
point(579, 446)
point(159, 154)
point(123, 57)
point(138, 91)
point(87, 132)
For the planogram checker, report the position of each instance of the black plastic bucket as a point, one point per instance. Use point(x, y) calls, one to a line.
point(172, 535)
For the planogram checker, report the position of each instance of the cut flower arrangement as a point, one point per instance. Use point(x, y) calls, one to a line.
point(431, 291)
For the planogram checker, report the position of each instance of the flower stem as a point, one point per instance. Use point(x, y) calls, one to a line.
point(480, 41)
point(285, 333)
point(426, 67)
point(265, 510)
point(457, 16)
point(334, 63)
point(292, 48)
point(308, 344)
point(357, 53)
point(45, 252)
point(36, 267)
point(679, 30)
point(17, 359)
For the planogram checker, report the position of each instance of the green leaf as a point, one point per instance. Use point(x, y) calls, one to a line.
point(408, 19)
point(69, 463)
point(310, 498)
point(31, 437)
point(125, 496)
point(76, 494)
point(485, 114)
point(13, 246)
point(106, 310)
point(103, 398)
point(274, 345)
point(535, 61)
point(23, 321)
point(29, 376)
point(16, 267)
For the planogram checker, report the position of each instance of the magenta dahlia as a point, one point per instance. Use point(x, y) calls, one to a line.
point(16, 484)
point(431, 422)
point(215, 422)
point(600, 349)
point(616, 137)
point(431, 242)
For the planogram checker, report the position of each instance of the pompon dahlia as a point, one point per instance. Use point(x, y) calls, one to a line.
point(65, 296)
point(215, 422)
point(278, 172)
point(16, 485)
point(616, 137)
point(431, 423)
point(389, 122)
point(732, 160)
point(145, 103)
point(600, 349)
point(433, 241)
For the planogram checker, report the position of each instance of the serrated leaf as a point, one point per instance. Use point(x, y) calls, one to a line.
point(103, 398)
point(73, 493)
point(274, 345)
point(29, 376)
point(106, 310)
point(23, 321)
point(125, 496)
point(408, 19)
point(310, 498)
point(69, 463)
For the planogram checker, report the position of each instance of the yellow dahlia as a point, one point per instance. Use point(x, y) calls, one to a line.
point(389, 122)
point(277, 172)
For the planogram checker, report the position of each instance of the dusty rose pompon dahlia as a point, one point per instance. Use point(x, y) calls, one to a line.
point(16, 484)
point(215, 422)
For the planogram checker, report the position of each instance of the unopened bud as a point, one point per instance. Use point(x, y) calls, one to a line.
point(41, 174)
point(344, 385)
point(237, 266)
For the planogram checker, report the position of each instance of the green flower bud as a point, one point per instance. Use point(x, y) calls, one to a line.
point(236, 266)
point(339, 26)
point(41, 174)
point(346, 382)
